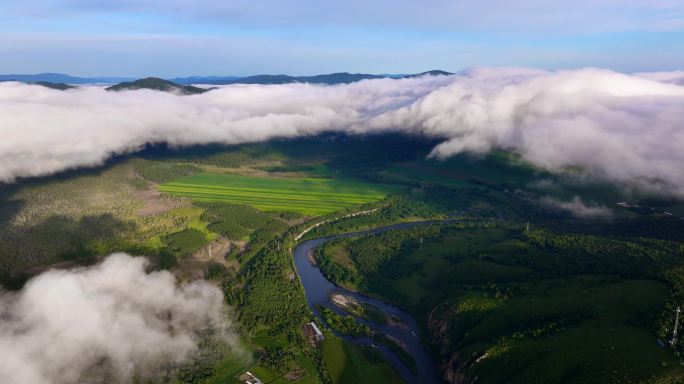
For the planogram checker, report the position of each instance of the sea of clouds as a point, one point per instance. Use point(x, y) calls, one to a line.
point(106, 323)
point(626, 129)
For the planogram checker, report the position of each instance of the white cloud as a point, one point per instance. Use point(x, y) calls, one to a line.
point(64, 325)
point(626, 129)
point(622, 128)
point(577, 207)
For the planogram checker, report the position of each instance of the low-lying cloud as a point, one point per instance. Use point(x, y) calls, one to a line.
point(623, 128)
point(674, 77)
point(110, 321)
point(577, 207)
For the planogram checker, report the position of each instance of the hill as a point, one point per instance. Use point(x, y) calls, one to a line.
point(204, 79)
point(47, 84)
point(435, 72)
point(157, 84)
point(57, 86)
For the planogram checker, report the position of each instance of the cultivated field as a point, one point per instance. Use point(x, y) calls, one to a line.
point(310, 196)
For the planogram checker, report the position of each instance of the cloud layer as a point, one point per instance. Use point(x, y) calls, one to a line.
point(626, 129)
point(113, 317)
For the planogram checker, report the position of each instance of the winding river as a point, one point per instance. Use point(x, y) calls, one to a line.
point(318, 290)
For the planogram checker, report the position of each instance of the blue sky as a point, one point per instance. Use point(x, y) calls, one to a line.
point(241, 37)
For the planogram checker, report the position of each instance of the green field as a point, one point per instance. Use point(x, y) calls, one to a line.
point(347, 365)
point(310, 196)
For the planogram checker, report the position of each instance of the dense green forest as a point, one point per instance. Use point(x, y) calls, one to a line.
point(496, 298)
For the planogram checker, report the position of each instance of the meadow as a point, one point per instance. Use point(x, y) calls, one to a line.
point(348, 363)
point(306, 195)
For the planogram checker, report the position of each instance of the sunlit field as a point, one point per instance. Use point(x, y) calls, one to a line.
point(309, 196)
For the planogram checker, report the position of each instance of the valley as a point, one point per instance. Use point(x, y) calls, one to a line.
point(503, 287)
point(328, 192)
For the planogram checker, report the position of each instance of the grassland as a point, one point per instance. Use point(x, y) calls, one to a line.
point(227, 370)
point(347, 365)
point(306, 195)
point(341, 256)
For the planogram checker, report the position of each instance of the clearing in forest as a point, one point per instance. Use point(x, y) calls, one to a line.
point(310, 196)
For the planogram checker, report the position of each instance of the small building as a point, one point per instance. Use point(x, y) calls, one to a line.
point(249, 378)
point(313, 334)
point(319, 334)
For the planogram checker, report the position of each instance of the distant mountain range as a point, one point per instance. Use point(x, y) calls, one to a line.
point(183, 85)
point(333, 78)
point(62, 78)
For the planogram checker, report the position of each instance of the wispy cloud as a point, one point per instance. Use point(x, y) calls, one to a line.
point(551, 16)
point(309, 37)
point(577, 207)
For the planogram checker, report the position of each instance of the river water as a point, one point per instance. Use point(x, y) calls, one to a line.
point(318, 290)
